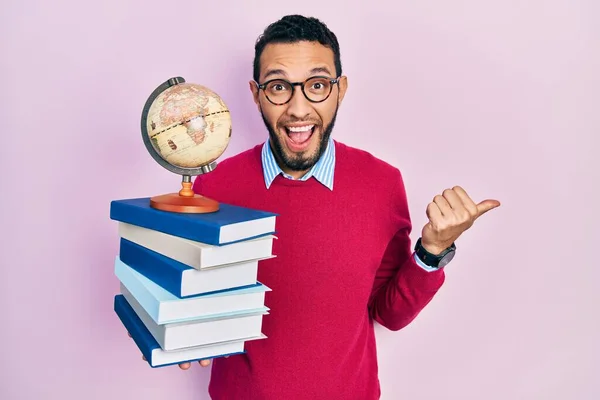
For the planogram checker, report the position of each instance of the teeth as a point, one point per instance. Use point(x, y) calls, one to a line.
point(300, 128)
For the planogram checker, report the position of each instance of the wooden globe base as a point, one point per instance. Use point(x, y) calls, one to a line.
point(186, 201)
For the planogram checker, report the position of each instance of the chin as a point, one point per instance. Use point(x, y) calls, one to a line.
point(297, 145)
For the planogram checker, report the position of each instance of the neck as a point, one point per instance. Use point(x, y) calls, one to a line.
point(296, 174)
point(293, 174)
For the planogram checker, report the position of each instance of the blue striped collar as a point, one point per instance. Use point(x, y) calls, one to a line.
point(322, 170)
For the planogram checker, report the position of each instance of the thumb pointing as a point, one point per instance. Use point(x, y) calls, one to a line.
point(486, 205)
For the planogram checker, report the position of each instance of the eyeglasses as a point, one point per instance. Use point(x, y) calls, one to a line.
point(316, 89)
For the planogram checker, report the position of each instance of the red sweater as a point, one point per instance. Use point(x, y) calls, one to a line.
point(344, 260)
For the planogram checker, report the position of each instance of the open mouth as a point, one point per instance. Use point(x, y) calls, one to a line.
point(299, 136)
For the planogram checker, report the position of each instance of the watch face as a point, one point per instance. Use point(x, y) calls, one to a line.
point(446, 259)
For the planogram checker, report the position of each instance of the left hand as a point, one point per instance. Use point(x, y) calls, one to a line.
point(450, 214)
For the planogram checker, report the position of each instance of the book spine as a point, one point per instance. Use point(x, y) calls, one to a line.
point(128, 279)
point(166, 222)
point(156, 267)
point(142, 337)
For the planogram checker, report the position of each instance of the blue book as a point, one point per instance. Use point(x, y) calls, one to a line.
point(230, 224)
point(157, 357)
point(182, 280)
point(163, 307)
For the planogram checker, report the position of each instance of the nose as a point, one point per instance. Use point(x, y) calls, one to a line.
point(298, 106)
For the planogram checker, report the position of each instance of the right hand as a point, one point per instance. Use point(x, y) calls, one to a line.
point(185, 365)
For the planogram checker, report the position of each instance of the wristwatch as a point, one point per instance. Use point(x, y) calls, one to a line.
point(433, 260)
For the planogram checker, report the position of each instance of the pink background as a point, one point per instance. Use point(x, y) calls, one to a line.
point(500, 97)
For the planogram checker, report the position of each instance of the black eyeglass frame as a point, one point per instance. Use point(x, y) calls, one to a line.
point(332, 81)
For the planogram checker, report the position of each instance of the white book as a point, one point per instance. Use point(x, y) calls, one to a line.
point(164, 307)
point(201, 331)
point(196, 254)
point(158, 357)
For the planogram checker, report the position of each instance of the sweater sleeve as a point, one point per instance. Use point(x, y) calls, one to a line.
point(402, 288)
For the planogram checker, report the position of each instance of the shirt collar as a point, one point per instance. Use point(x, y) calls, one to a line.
point(321, 171)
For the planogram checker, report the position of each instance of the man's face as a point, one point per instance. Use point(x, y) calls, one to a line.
point(298, 130)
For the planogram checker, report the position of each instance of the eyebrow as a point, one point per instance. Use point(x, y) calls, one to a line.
point(320, 70)
point(272, 72)
point(317, 70)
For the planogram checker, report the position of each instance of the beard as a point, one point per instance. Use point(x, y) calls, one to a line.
point(299, 162)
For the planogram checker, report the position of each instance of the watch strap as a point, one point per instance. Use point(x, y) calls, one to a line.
point(434, 260)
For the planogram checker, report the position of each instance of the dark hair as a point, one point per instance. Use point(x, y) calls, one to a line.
point(297, 28)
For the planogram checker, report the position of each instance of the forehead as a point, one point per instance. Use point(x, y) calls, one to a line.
point(296, 61)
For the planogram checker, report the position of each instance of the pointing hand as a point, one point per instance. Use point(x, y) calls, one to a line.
point(450, 214)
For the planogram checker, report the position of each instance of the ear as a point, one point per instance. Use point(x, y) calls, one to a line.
point(343, 86)
point(255, 92)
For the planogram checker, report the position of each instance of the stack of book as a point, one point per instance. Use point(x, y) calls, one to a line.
point(188, 282)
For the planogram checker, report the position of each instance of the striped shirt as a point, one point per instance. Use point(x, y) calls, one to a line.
point(322, 170)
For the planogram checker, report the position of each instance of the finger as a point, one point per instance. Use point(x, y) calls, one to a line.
point(185, 366)
point(466, 200)
point(453, 199)
point(443, 205)
point(458, 207)
point(486, 205)
point(434, 214)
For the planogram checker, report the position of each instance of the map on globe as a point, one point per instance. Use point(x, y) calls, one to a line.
point(189, 125)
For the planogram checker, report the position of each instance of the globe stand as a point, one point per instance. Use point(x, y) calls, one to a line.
point(185, 201)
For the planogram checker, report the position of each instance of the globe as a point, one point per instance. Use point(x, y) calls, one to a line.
point(186, 127)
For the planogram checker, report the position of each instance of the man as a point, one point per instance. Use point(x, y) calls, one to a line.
point(344, 257)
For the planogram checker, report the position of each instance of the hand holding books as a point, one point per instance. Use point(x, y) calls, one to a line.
point(189, 289)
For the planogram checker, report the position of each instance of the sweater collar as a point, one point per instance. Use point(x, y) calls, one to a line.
point(322, 171)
